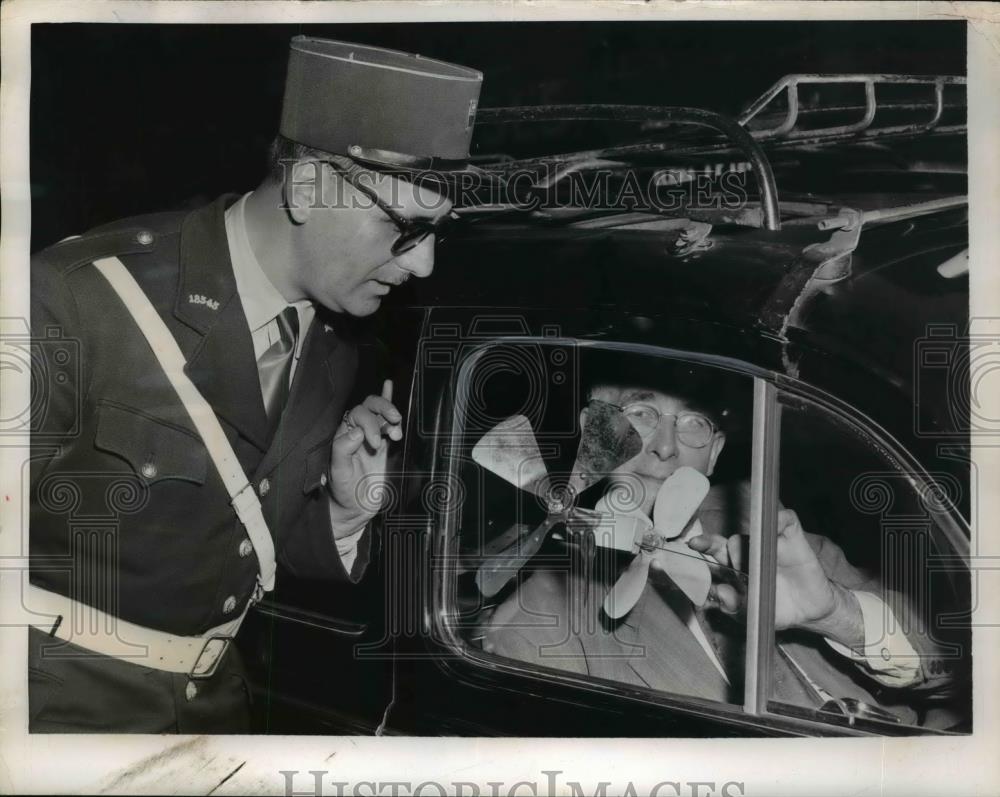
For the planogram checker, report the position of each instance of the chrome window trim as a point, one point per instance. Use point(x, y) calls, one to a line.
point(762, 563)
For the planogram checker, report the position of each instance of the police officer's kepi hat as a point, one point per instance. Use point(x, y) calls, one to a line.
point(390, 110)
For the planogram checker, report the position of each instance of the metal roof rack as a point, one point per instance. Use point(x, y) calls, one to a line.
point(737, 137)
point(748, 136)
point(788, 129)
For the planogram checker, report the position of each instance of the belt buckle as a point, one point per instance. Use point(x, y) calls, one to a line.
point(208, 672)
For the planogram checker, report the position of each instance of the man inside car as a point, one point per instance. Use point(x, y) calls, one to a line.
point(838, 632)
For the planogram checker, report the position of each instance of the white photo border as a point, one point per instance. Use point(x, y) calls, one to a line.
point(231, 765)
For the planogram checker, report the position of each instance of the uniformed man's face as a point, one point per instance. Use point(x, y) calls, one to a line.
point(664, 450)
point(346, 245)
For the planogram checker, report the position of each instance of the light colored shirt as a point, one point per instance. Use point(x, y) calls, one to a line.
point(262, 304)
point(887, 654)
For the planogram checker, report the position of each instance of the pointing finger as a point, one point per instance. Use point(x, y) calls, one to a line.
point(382, 406)
point(713, 545)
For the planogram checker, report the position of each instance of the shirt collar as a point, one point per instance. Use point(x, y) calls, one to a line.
point(262, 302)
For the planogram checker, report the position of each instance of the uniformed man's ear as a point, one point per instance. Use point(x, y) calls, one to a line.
point(583, 417)
point(718, 443)
point(301, 188)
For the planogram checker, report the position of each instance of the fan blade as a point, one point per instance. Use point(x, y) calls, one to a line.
point(628, 588)
point(607, 441)
point(677, 500)
point(497, 570)
point(620, 530)
point(687, 568)
point(692, 571)
point(510, 450)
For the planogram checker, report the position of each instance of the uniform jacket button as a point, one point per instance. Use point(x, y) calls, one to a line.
point(149, 470)
point(230, 605)
point(265, 487)
point(191, 690)
point(246, 548)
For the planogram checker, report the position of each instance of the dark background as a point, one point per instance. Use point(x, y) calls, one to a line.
point(128, 119)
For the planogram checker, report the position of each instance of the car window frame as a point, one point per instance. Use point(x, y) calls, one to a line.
point(762, 557)
point(952, 525)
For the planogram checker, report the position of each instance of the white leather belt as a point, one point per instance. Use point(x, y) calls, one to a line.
point(99, 632)
point(168, 354)
point(102, 633)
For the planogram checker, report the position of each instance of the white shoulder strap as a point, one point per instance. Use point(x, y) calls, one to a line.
point(244, 499)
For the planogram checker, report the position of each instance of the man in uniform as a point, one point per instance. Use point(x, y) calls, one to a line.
point(144, 555)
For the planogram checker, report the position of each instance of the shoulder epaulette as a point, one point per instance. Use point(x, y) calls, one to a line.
point(72, 253)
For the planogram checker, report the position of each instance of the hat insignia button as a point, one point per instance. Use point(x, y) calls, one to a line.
point(354, 149)
point(145, 237)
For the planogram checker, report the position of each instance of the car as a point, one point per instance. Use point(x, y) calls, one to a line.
point(814, 255)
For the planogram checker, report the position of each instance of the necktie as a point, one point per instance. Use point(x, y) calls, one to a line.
point(275, 364)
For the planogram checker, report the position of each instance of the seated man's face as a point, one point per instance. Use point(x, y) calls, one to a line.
point(682, 436)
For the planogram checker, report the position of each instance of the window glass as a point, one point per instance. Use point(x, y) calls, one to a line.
point(865, 599)
point(589, 474)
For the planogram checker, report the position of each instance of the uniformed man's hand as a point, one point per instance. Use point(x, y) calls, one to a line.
point(357, 482)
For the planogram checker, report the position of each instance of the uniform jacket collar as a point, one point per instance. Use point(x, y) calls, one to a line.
point(223, 366)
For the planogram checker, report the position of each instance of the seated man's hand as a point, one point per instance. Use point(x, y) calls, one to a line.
point(357, 481)
point(804, 596)
point(803, 593)
point(728, 592)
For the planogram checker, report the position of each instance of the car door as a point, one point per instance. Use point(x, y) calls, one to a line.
point(403, 651)
point(316, 650)
point(458, 513)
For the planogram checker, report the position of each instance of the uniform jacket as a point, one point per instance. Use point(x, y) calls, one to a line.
point(554, 619)
point(126, 505)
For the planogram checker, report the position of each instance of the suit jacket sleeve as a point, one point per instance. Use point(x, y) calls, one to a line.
point(930, 676)
point(725, 511)
point(307, 547)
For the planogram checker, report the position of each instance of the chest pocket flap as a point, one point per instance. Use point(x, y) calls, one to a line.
point(156, 450)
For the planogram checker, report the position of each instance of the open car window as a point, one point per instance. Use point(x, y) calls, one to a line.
point(604, 540)
point(875, 529)
point(582, 496)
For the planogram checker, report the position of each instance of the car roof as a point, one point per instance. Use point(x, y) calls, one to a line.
point(842, 296)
